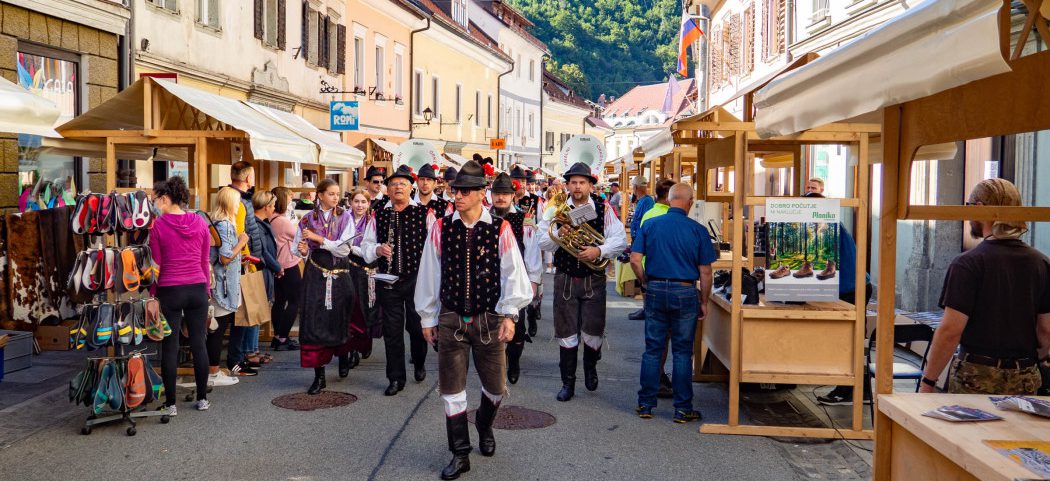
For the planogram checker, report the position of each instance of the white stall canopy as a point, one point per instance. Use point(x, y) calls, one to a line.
point(658, 145)
point(935, 46)
point(22, 112)
point(333, 152)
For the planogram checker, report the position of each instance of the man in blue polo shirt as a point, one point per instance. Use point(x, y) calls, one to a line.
point(677, 253)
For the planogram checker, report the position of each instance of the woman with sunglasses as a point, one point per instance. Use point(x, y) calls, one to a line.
point(324, 239)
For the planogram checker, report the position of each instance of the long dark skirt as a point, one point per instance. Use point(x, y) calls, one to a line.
point(362, 318)
point(323, 332)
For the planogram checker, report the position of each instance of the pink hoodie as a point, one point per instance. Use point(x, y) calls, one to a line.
point(181, 245)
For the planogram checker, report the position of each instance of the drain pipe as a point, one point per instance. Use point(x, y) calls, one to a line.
point(789, 29)
point(412, 75)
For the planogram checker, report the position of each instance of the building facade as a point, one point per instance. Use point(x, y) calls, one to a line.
point(71, 52)
point(564, 116)
point(456, 72)
point(520, 93)
point(644, 111)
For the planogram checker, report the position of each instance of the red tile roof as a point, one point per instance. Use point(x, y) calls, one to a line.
point(520, 26)
point(558, 91)
point(645, 97)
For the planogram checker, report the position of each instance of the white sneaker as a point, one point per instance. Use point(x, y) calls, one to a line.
point(221, 379)
point(202, 405)
point(169, 411)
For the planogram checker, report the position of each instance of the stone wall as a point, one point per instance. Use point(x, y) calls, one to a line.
point(99, 53)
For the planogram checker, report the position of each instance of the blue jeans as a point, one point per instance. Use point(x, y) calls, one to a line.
point(250, 343)
point(670, 310)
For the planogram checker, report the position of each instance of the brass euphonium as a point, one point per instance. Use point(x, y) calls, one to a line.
point(579, 236)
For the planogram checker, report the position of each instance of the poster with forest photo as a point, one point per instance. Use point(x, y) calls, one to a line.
point(803, 255)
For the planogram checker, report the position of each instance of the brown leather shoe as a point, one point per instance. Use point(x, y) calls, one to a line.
point(805, 271)
point(828, 272)
point(781, 271)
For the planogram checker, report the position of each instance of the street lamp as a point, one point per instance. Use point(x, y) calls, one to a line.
point(428, 115)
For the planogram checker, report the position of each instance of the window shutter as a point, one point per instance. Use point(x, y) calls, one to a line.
point(322, 40)
point(304, 50)
point(259, 33)
point(282, 14)
point(340, 47)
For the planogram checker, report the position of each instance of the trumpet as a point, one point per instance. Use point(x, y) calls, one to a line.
point(579, 237)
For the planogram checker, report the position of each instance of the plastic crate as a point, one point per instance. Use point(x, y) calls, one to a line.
point(18, 354)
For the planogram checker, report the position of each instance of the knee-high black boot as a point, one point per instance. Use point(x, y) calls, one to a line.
point(486, 414)
point(567, 364)
point(514, 351)
point(533, 314)
point(459, 443)
point(590, 367)
point(319, 382)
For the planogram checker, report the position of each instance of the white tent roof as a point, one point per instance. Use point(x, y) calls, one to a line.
point(935, 46)
point(22, 112)
point(333, 153)
point(455, 160)
point(658, 145)
point(386, 145)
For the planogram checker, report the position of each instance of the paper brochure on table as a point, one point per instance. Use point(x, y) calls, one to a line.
point(1033, 455)
point(956, 414)
point(1023, 404)
point(803, 243)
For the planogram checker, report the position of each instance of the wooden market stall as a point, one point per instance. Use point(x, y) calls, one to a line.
point(909, 446)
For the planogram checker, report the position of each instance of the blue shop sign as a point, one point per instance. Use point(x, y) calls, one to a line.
point(345, 115)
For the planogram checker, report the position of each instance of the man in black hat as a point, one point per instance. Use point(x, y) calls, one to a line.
point(579, 307)
point(472, 286)
point(503, 191)
point(425, 194)
point(531, 207)
point(446, 187)
point(396, 240)
point(374, 185)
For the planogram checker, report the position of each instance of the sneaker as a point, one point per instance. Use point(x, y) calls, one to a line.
point(243, 369)
point(222, 379)
point(644, 412)
point(170, 411)
point(682, 417)
point(202, 405)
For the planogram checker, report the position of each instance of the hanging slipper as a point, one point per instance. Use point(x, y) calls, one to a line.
point(102, 326)
point(91, 212)
point(124, 325)
point(138, 314)
point(101, 392)
point(155, 381)
point(136, 385)
point(143, 209)
point(115, 388)
point(129, 270)
point(76, 276)
point(124, 215)
point(148, 270)
point(154, 327)
point(78, 222)
point(105, 214)
point(78, 334)
point(94, 272)
point(110, 269)
point(23, 199)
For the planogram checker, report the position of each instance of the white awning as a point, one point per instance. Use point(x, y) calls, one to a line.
point(935, 46)
point(548, 172)
point(658, 145)
point(333, 153)
point(455, 160)
point(386, 145)
point(22, 112)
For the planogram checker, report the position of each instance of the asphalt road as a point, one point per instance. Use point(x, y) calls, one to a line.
point(244, 437)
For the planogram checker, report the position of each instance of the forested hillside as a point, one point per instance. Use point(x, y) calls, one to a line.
point(607, 46)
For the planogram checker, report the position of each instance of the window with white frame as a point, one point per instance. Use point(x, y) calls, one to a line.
point(359, 62)
point(520, 67)
point(417, 92)
point(459, 12)
point(399, 71)
point(165, 4)
point(477, 108)
point(532, 70)
point(208, 13)
point(459, 101)
point(488, 114)
point(333, 43)
point(532, 125)
point(435, 90)
point(380, 67)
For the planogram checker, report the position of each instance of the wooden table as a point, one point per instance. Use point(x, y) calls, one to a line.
point(922, 447)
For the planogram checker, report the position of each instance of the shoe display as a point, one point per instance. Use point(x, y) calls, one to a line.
point(682, 417)
point(828, 272)
point(394, 388)
point(805, 271)
point(782, 271)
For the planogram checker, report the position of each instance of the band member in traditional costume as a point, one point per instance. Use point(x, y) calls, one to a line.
point(426, 181)
point(446, 192)
point(396, 240)
point(579, 299)
point(374, 185)
point(472, 286)
point(324, 321)
point(531, 206)
point(364, 314)
point(503, 189)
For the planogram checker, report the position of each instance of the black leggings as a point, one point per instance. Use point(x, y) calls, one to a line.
point(287, 290)
point(215, 339)
point(187, 303)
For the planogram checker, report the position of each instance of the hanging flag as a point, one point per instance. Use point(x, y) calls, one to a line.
point(672, 89)
point(689, 34)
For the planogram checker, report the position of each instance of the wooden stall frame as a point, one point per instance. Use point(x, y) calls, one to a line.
point(1009, 103)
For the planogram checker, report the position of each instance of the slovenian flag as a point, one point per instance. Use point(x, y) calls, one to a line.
point(690, 33)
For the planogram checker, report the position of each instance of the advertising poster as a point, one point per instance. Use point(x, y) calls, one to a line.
point(803, 244)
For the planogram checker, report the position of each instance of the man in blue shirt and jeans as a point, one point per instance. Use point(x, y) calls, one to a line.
point(678, 252)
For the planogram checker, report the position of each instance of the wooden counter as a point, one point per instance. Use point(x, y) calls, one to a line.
point(922, 447)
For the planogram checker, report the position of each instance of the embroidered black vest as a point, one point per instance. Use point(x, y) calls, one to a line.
point(568, 263)
point(470, 266)
point(379, 203)
point(438, 205)
point(409, 231)
point(517, 225)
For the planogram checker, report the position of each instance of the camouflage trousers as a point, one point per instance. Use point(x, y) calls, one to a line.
point(971, 378)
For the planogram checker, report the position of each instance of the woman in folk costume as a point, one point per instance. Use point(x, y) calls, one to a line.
point(324, 312)
point(363, 313)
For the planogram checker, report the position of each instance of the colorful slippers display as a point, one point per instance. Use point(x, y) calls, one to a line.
point(96, 214)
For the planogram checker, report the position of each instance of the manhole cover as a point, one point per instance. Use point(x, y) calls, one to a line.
point(301, 401)
point(517, 417)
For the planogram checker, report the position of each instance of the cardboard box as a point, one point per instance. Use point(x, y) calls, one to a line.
point(54, 338)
